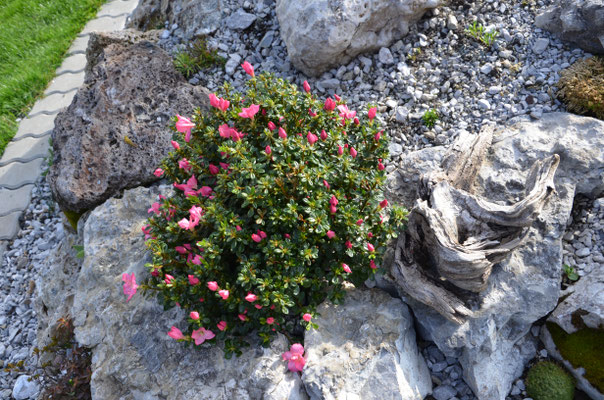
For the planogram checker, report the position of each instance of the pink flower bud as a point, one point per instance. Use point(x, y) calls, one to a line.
point(312, 113)
point(175, 333)
point(348, 244)
point(270, 320)
point(326, 184)
point(242, 317)
point(381, 167)
point(258, 306)
point(340, 150)
point(256, 238)
point(158, 172)
point(213, 286)
point(248, 68)
point(282, 133)
point(378, 136)
point(331, 234)
point(372, 264)
point(306, 87)
point(307, 317)
point(311, 138)
point(272, 126)
point(330, 105)
point(346, 268)
point(369, 235)
point(193, 280)
point(323, 135)
point(175, 145)
point(287, 236)
point(356, 121)
point(338, 98)
point(194, 315)
point(333, 209)
point(267, 150)
point(251, 297)
point(370, 247)
point(168, 279)
point(238, 228)
point(353, 152)
point(383, 203)
point(222, 325)
point(333, 201)
point(213, 169)
point(224, 294)
point(360, 221)
point(371, 113)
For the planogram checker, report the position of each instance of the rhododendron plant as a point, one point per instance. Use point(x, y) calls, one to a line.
point(269, 215)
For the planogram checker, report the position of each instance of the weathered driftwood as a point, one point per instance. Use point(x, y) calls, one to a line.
point(454, 237)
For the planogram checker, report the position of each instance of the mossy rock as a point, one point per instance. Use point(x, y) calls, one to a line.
point(581, 87)
point(548, 381)
point(582, 349)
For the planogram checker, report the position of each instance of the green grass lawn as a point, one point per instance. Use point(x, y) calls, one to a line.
point(34, 37)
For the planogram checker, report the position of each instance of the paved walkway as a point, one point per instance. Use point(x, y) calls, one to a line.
point(20, 165)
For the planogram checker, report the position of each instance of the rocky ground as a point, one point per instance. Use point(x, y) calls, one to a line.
point(437, 66)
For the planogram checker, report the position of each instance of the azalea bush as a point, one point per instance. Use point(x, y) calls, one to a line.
point(277, 201)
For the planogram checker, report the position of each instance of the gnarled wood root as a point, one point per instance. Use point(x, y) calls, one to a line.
point(454, 237)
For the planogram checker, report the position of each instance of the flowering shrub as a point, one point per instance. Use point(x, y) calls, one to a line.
point(277, 202)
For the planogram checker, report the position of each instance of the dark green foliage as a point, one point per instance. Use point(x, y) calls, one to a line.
point(548, 381)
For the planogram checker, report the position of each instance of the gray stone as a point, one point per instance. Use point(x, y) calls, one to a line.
point(444, 392)
point(240, 20)
point(494, 345)
point(484, 104)
point(578, 21)
point(25, 389)
point(540, 45)
point(385, 56)
point(129, 339)
point(323, 34)
point(195, 17)
point(114, 134)
point(452, 22)
point(364, 348)
point(486, 69)
point(584, 252)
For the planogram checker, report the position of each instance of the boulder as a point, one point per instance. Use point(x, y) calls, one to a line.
point(320, 34)
point(579, 318)
point(578, 21)
point(494, 344)
point(114, 133)
point(132, 356)
point(365, 348)
point(194, 17)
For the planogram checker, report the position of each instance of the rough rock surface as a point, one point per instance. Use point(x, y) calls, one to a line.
point(365, 348)
point(114, 133)
point(577, 21)
point(132, 357)
point(494, 346)
point(583, 304)
point(320, 34)
point(193, 17)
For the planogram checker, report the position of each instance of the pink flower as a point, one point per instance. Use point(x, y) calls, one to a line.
point(193, 280)
point(331, 234)
point(338, 98)
point(189, 187)
point(213, 169)
point(360, 221)
point(213, 286)
point(129, 285)
point(158, 172)
point(326, 184)
point(333, 209)
point(282, 133)
point(378, 136)
point(201, 335)
point(370, 247)
point(380, 166)
point(221, 104)
point(267, 150)
point(287, 236)
point(249, 112)
point(222, 325)
point(184, 164)
point(242, 317)
point(181, 250)
point(256, 238)
point(311, 138)
point(270, 320)
point(312, 113)
point(196, 259)
point(194, 315)
point(195, 214)
point(205, 191)
point(224, 166)
point(346, 268)
point(175, 333)
point(154, 208)
point(295, 358)
point(371, 113)
point(251, 297)
point(184, 125)
point(345, 112)
point(258, 306)
point(272, 126)
point(175, 145)
point(330, 105)
point(238, 228)
point(353, 152)
point(248, 68)
point(372, 264)
point(307, 317)
point(169, 279)
point(224, 294)
point(186, 224)
point(340, 150)
point(333, 201)
point(306, 87)
point(348, 244)
point(369, 235)
point(262, 234)
point(323, 135)
point(384, 203)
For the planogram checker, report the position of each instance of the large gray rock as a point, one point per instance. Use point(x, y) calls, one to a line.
point(25, 388)
point(114, 133)
point(194, 17)
point(578, 21)
point(132, 356)
point(320, 34)
point(494, 346)
point(365, 348)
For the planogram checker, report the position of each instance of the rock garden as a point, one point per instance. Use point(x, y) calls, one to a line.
point(274, 199)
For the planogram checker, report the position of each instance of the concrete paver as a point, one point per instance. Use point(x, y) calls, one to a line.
point(71, 64)
point(65, 83)
point(52, 104)
point(25, 150)
point(117, 8)
point(9, 225)
point(15, 200)
point(16, 175)
point(40, 125)
point(79, 45)
point(104, 24)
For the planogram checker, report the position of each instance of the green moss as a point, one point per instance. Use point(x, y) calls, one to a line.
point(548, 381)
point(73, 218)
point(582, 349)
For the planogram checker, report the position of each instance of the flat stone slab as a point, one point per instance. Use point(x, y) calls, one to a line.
point(9, 225)
point(65, 83)
point(52, 104)
point(117, 8)
point(25, 150)
point(104, 24)
point(16, 175)
point(72, 64)
point(79, 45)
point(14, 200)
point(40, 125)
